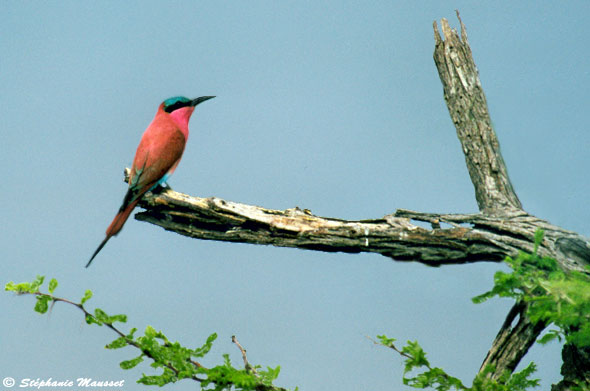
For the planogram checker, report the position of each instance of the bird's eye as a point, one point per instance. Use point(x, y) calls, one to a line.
point(175, 103)
point(173, 107)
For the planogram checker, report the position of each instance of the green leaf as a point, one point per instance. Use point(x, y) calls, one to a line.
point(117, 318)
point(166, 377)
point(386, 341)
point(91, 319)
point(211, 338)
point(101, 316)
point(117, 343)
point(161, 336)
point(52, 285)
point(128, 364)
point(519, 381)
point(203, 350)
point(130, 335)
point(539, 233)
point(86, 297)
point(150, 332)
point(42, 304)
point(34, 286)
point(25, 287)
point(269, 375)
point(550, 336)
point(418, 356)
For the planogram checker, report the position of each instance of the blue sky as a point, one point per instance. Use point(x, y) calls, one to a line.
point(334, 106)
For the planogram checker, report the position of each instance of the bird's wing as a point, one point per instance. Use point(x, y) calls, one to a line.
point(153, 159)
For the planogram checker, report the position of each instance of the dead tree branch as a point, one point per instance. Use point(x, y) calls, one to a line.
point(469, 111)
point(493, 190)
point(470, 237)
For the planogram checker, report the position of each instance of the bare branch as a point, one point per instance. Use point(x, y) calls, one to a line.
point(392, 236)
point(247, 365)
point(512, 343)
point(470, 238)
point(469, 112)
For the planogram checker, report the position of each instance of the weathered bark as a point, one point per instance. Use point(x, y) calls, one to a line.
point(469, 111)
point(493, 191)
point(496, 197)
point(470, 238)
point(502, 228)
point(512, 342)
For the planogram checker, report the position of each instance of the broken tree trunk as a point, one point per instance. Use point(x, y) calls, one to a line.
point(502, 228)
point(495, 195)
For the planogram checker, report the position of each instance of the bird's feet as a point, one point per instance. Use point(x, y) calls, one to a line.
point(161, 188)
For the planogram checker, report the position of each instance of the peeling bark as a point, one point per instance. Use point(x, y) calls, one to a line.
point(468, 108)
point(469, 238)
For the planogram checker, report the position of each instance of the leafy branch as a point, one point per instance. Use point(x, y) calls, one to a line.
point(176, 361)
point(437, 378)
point(549, 294)
point(415, 357)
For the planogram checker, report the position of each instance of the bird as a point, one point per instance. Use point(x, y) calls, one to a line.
point(156, 158)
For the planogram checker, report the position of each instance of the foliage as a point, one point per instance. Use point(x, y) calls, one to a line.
point(418, 373)
point(175, 361)
point(551, 294)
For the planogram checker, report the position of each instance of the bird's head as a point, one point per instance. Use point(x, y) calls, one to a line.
point(179, 102)
point(180, 108)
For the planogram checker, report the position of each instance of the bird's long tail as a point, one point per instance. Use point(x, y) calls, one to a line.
point(98, 249)
point(116, 225)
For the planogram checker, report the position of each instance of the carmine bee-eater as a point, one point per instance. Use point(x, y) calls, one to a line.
point(156, 158)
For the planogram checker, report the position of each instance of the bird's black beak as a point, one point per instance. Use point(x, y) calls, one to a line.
point(195, 102)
